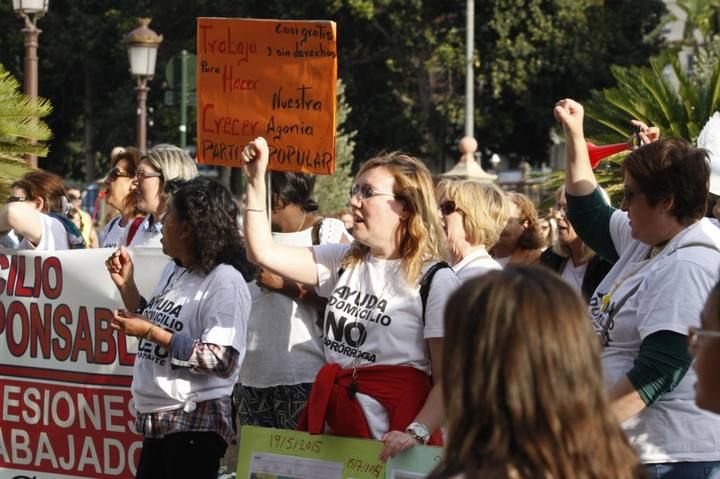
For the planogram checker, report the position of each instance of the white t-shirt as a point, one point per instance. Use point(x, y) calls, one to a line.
point(674, 285)
point(54, 237)
point(284, 343)
point(213, 309)
point(574, 275)
point(114, 234)
point(148, 234)
point(476, 263)
point(386, 314)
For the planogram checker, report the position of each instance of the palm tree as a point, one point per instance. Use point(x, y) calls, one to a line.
point(661, 94)
point(21, 131)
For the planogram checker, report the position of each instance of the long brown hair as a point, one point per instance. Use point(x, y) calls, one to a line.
point(422, 237)
point(522, 384)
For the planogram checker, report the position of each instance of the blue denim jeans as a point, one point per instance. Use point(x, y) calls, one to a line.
point(683, 470)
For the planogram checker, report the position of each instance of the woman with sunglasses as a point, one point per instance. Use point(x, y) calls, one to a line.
point(161, 164)
point(35, 214)
point(120, 195)
point(382, 343)
point(473, 215)
point(666, 263)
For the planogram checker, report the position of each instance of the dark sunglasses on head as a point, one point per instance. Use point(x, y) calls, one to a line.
point(116, 173)
point(16, 199)
point(448, 207)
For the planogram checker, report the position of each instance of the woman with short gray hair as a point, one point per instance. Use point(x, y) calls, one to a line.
point(161, 164)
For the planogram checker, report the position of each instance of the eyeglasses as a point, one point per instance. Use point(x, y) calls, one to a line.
point(16, 199)
point(364, 192)
point(72, 197)
point(694, 335)
point(448, 207)
point(142, 174)
point(116, 173)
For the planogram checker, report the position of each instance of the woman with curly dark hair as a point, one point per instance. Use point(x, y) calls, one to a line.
point(192, 333)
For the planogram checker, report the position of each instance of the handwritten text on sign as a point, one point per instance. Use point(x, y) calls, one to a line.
point(267, 78)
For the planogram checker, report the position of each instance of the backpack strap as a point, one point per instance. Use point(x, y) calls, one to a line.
point(75, 239)
point(133, 229)
point(426, 282)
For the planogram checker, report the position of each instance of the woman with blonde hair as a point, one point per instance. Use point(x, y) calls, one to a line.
point(572, 259)
point(521, 240)
point(382, 328)
point(473, 215)
point(160, 165)
point(504, 419)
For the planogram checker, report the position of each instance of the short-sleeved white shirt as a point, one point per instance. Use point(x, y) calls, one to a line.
point(114, 234)
point(284, 344)
point(373, 297)
point(54, 237)
point(474, 264)
point(212, 308)
point(673, 287)
point(148, 234)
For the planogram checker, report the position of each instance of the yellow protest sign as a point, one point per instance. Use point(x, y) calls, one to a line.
point(270, 78)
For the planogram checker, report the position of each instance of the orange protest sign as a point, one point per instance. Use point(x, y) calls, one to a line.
point(270, 78)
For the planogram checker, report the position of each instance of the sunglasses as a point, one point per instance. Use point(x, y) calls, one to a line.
point(448, 207)
point(116, 173)
point(142, 174)
point(72, 197)
point(364, 192)
point(16, 199)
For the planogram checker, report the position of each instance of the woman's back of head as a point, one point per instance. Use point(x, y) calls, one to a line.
point(522, 383)
point(211, 212)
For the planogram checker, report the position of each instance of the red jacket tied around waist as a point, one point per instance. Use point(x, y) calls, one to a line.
point(401, 390)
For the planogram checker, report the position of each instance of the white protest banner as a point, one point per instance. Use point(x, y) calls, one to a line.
point(65, 374)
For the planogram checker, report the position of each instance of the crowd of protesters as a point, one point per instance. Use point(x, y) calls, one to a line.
point(556, 346)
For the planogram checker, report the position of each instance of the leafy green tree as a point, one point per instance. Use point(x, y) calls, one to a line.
point(331, 192)
point(21, 130)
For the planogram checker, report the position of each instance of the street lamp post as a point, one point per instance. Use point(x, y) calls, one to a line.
point(30, 11)
point(142, 51)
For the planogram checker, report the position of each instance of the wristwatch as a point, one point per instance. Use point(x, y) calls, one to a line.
point(419, 431)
